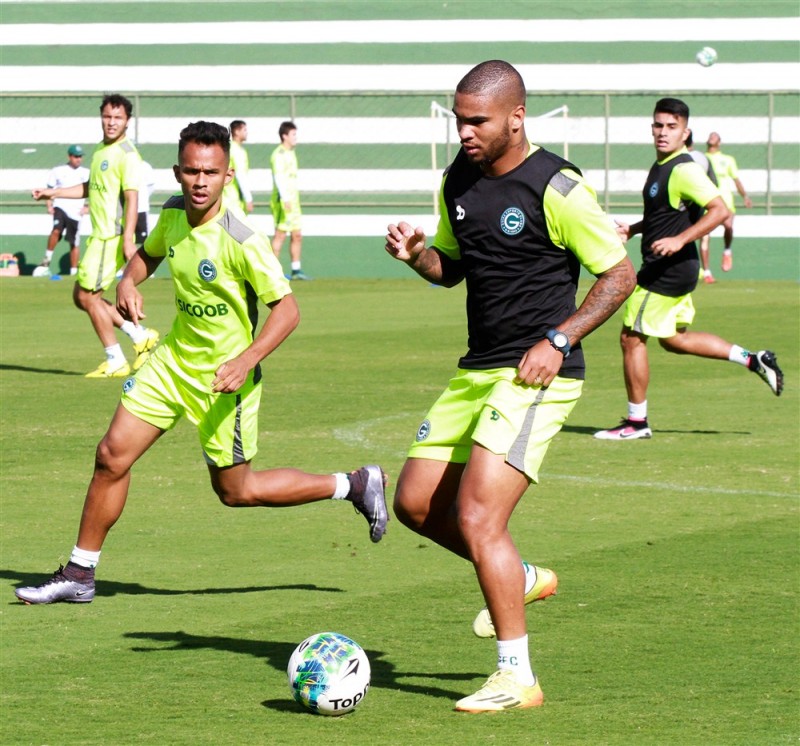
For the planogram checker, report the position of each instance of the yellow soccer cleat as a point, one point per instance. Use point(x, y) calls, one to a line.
point(501, 692)
point(142, 349)
point(102, 371)
point(545, 585)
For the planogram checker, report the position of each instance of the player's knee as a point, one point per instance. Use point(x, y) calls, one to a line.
point(233, 495)
point(107, 461)
point(410, 512)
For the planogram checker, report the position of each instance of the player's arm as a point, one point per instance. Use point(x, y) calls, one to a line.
point(407, 244)
point(130, 302)
point(131, 215)
point(626, 231)
point(78, 191)
point(283, 318)
point(743, 193)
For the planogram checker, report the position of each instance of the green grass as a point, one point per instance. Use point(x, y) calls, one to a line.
point(676, 620)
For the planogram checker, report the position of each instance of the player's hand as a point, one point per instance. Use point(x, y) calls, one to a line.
point(230, 376)
point(404, 242)
point(129, 247)
point(667, 246)
point(130, 302)
point(623, 230)
point(748, 202)
point(40, 194)
point(249, 207)
point(539, 365)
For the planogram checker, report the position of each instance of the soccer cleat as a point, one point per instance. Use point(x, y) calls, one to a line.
point(103, 371)
point(142, 349)
point(765, 364)
point(58, 588)
point(626, 430)
point(368, 495)
point(298, 274)
point(545, 585)
point(709, 279)
point(727, 261)
point(501, 692)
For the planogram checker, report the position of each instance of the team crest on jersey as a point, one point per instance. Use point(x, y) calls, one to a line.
point(104, 166)
point(654, 189)
point(424, 431)
point(512, 221)
point(129, 384)
point(207, 270)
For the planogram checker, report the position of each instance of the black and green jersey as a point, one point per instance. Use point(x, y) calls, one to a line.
point(519, 240)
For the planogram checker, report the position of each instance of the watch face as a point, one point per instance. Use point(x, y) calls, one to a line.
point(561, 339)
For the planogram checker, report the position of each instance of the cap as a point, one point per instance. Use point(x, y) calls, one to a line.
point(75, 150)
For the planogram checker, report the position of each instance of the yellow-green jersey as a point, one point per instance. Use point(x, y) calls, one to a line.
point(727, 172)
point(116, 168)
point(283, 163)
point(238, 191)
point(220, 270)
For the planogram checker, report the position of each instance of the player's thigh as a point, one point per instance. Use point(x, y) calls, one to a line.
point(426, 489)
point(126, 439)
point(518, 421)
point(101, 260)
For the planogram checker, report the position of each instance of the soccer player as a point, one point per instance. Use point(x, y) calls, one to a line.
point(238, 191)
point(676, 194)
point(207, 369)
point(112, 191)
point(285, 200)
point(728, 176)
point(700, 159)
point(517, 223)
point(66, 212)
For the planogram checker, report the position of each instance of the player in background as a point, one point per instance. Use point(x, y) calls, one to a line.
point(517, 223)
point(701, 160)
point(681, 204)
point(238, 191)
point(147, 186)
point(285, 200)
point(728, 178)
point(66, 212)
point(112, 189)
point(207, 369)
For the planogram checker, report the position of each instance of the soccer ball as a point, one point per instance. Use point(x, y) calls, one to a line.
point(706, 57)
point(329, 673)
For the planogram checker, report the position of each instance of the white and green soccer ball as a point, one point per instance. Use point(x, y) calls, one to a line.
point(329, 674)
point(706, 57)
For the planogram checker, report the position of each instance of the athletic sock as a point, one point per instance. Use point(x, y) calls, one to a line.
point(512, 655)
point(136, 332)
point(48, 255)
point(84, 558)
point(295, 266)
point(114, 356)
point(637, 412)
point(739, 355)
point(342, 486)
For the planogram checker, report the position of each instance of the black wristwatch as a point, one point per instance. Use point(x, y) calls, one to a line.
point(560, 341)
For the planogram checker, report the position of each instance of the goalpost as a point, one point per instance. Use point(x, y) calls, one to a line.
point(438, 112)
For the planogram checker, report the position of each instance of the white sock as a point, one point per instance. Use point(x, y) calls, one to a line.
point(637, 411)
point(512, 655)
point(739, 355)
point(114, 354)
point(48, 255)
point(707, 272)
point(73, 270)
point(136, 332)
point(295, 266)
point(530, 576)
point(342, 486)
point(84, 558)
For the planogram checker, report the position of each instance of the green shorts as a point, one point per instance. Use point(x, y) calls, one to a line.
point(288, 222)
point(507, 418)
point(226, 423)
point(100, 262)
point(657, 315)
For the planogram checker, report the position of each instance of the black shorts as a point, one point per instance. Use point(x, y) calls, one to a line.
point(66, 225)
point(141, 228)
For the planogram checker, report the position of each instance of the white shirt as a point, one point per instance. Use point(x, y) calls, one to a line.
point(66, 176)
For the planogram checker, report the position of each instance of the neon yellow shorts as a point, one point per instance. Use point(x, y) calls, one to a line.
point(288, 222)
point(226, 423)
point(488, 408)
point(657, 315)
point(100, 262)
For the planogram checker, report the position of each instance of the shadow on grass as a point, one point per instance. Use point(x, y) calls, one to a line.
point(586, 430)
point(108, 588)
point(51, 371)
point(277, 654)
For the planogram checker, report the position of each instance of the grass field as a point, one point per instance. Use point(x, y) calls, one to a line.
point(677, 615)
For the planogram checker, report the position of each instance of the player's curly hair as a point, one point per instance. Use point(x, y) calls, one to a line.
point(205, 133)
point(117, 100)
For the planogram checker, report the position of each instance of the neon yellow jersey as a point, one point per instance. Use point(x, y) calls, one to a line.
point(575, 222)
point(238, 191)
point(219, 270)
point(725, 168)
point(689, 183)
point(115, 169)
point(283, 163)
